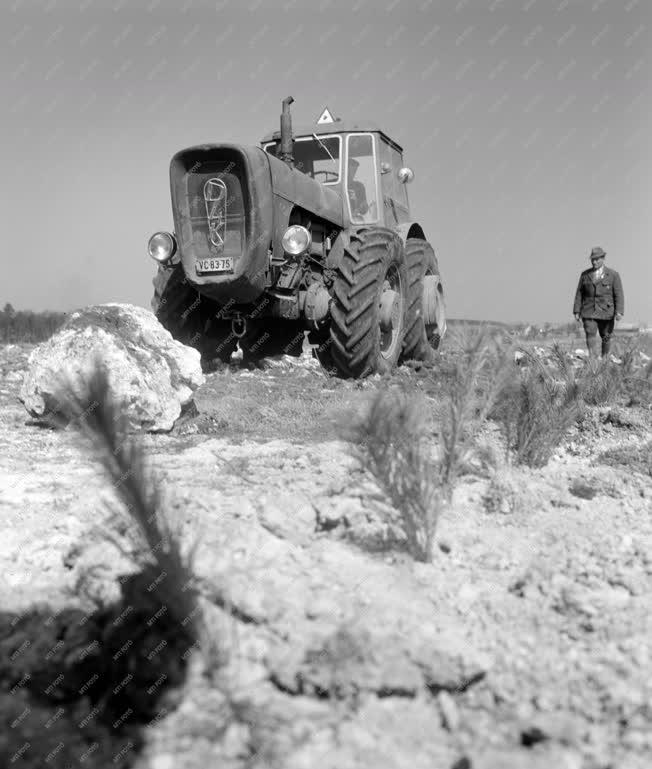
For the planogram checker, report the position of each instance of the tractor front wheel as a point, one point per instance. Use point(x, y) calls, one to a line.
point(191, 318)
point(426, 316)
point(368, 311)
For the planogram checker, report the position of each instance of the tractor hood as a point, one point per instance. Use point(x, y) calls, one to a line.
point(298, 189)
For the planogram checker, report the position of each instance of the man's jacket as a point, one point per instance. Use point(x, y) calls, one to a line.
point(602, 299)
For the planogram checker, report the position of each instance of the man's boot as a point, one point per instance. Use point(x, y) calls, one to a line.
point(606, 345)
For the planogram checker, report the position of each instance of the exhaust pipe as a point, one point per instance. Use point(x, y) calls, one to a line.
point(287, 142)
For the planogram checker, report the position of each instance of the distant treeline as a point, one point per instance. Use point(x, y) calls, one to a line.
point(468, 322)
point(530, 330)
point(28, 326)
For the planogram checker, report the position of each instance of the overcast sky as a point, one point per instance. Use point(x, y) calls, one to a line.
point(527, 123)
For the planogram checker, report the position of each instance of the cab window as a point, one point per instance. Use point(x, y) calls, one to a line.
point(394, 192)
point(317, 156)
point(400, 189)
point(361, 186)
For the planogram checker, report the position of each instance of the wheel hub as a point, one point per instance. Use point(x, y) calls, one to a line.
point(390, 306)
point(430, 302)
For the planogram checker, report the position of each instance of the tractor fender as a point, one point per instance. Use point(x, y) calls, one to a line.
point(404, 231)
point(335, 255)
point(410, 230)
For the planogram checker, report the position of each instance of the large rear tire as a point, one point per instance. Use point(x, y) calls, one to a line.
point(426, 315)
point(368, 310)
point(191, 318)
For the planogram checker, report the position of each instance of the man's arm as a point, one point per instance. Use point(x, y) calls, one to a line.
point(619, 296)
point(577, 304)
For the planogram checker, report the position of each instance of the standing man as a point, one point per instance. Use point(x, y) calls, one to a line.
point(599, 302)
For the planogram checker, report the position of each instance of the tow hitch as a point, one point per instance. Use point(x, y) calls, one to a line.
point(239, 326)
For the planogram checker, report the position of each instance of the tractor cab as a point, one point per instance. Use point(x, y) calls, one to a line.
point(357, 160)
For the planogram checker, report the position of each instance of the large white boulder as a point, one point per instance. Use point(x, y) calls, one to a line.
point(152, 375)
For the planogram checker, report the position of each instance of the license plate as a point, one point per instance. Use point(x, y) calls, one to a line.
point(215, 264)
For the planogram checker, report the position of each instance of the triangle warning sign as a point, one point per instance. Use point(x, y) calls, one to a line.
point(325, 117)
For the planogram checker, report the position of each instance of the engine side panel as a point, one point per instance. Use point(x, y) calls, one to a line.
point(293, 188)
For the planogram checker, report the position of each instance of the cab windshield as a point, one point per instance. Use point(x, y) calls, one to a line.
point(317, 156)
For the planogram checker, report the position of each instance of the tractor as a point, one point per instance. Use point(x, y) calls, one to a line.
point(309, 232)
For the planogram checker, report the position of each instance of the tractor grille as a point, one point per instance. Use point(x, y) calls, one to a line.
point(216, 211)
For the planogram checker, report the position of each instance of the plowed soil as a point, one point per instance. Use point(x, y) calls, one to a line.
point(527, 642)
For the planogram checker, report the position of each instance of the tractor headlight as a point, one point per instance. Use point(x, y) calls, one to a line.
point(297, 240)
point(161, 246)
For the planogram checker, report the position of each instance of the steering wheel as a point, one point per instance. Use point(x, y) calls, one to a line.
point(326, 174)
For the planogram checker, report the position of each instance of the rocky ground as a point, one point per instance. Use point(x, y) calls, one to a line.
point(526, 643)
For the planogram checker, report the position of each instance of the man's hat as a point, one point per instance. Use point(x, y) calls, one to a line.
point(597, 253)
